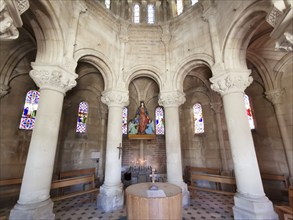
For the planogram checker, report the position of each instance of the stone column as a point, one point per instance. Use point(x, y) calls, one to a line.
point(171, 102)
point(217, 107)
point(250, 201)
point(111, 195)
point(275, 96)
point(34, 199)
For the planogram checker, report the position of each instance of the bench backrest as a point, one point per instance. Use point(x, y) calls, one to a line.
point(73, 181)
point(213, 178)
point(276, 177)
point(7, 182)
point(290, 192)
point(76, 173)
point(215, 171)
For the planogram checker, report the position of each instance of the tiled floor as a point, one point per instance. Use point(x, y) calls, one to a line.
point(204, 206)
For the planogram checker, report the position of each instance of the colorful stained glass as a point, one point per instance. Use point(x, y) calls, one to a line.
point(198, 119)
point(30, 110)
point(124, 120)
point(248, 112)
point(82, 117)
point(160, 125)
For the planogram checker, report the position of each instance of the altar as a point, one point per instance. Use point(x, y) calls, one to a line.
point(162, 203)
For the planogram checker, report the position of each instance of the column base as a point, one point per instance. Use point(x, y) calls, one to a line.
point(37, 211)
point(253, 208)
point(185, 193)
point(110, 198)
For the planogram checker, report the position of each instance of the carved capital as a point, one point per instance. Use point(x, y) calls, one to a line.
point(53, 78)
point(230, 83)
point(275, 96)
point(115, 98)
point(273, 16)
point(4, 89)
point(171, 99)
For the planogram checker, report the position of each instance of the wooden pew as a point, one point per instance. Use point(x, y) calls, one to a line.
point(214, 179)
point(76, 173)
point(59, 184)
point(276, 177)
point(10, 188)
point(285, 212)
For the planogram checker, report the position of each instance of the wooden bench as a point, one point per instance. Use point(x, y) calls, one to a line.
point(76, 173)
point(10, 187)
point(285, 212)
point(214, 179)
point(59, 184)
point(276, 177)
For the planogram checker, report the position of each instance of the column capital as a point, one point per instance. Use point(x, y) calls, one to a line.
point(115, 98)
point(171, 98)
point(53, 78)
point(231, 82)
point(275, 96)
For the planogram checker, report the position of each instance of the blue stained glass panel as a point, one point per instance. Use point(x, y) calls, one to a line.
point(198, 119)
point(82, 117)
point(160, 125)
point(124, 120)
point(30, 110)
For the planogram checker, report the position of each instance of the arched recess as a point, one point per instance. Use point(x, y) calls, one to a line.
point(240, 34)
point(188, 65)
point(144, 71)
point(99, 61)
point(263, 69)
point(48, 32)
point(281, 66)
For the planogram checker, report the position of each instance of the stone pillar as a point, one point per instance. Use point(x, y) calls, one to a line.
point(171, 102)
point(217, 107)
point(34, 199)
point(275, 96)
point(250, 201)
point(111, 196)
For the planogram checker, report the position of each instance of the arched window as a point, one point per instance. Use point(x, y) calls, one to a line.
point(107, 3)
point(179, 7)
point(198, 119)
point(82, 117)
point(193, 2)
point(136, 13)
point(151, 14)
point(124, 120)
point(160, 125)
point(29, 110)
point(248, 112)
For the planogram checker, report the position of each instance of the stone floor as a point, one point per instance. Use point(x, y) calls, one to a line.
point(205, 206)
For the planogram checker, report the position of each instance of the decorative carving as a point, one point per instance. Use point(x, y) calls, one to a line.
point(69, 64)
point(275, 96)
point(172, 98)
point(54, 79)
point(273, 16)
point(4, 89)
point(115, 98)
point(8, 31)
point(230, 83)
point(22, 5)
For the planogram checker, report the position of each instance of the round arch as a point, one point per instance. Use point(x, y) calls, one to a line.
point(99, 61)
point(144, 71)
point(188, 65)
point(238, 37)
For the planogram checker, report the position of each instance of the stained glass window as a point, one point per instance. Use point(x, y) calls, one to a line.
point(124, 120)
point(136, 13)
point(151, 14)
point(160, 125)
point(179, 7)
point(30, 110)
point(107, 3)
point(82, 117)
point(193, 2)
point(248, 112)
point(198, 119)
